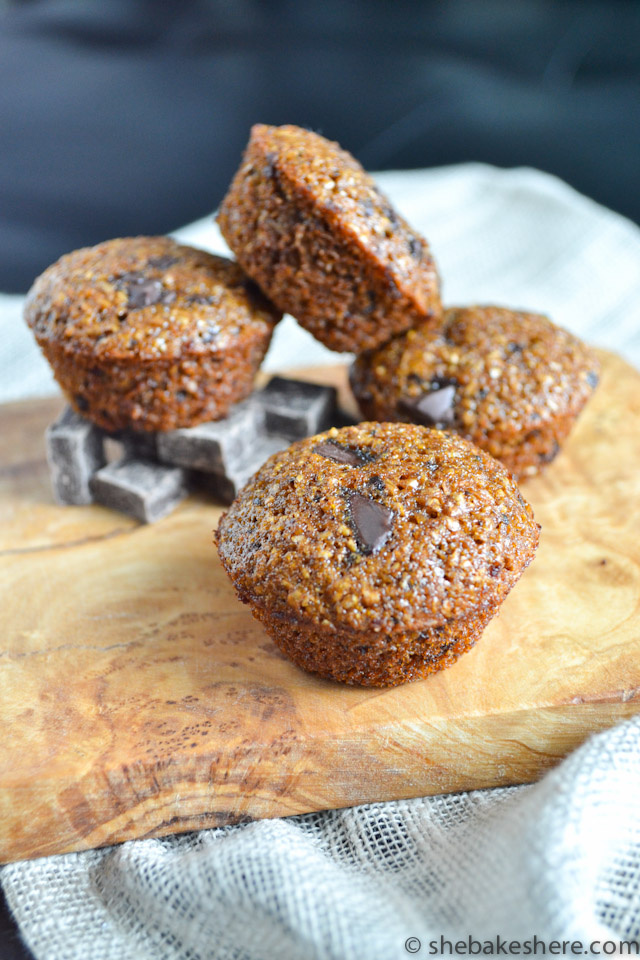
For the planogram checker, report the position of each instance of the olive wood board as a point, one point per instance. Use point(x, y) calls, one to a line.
point(138, 697)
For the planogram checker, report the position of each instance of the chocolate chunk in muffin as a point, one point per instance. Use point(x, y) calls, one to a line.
point(511, 382)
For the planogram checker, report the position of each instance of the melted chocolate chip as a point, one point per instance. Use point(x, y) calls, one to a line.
point(354, 457)
point(162, 263)
point(592, 378)
point(372, 522)
point(367, 207)
point(143, 293)
point(434, 408)
point(513, 347)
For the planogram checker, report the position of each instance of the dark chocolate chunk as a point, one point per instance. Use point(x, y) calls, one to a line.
point(143, 293)
point(163, 262)
point(372, 522)
point(138, 444)
point(225, 487)
point(140, 488)
point(75, 450)
point(592, 378)
point(434, 408)
point(214, 447)
point(296, 409)
point(341, 454)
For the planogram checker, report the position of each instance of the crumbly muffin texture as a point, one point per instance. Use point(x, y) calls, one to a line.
point(313, 230)
point(512, 382)
point(143, 332)
point(377, 553)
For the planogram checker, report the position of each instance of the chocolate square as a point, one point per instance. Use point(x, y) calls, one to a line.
point(212, 447)
point(295, 409)
point(142, 489)
point(226, 488)
point(75, 450)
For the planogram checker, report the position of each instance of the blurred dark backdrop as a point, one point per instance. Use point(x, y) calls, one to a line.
point(129, 116)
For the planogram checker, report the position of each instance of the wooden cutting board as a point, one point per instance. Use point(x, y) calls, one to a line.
point(138, 697)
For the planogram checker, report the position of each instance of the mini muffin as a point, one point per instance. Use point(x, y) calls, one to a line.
point(313, 230)
point(511, 382)
point(377, 553)
point(144, 333)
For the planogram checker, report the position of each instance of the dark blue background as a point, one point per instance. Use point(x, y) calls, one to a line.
point(129, 116)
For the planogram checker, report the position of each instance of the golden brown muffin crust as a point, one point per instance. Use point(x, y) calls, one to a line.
point(382, 528)
point(314, 231)
point(512, 382)
point(144, 296)
point(148, 333)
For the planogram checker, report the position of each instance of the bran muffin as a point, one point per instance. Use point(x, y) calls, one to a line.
point(142, 332)
point(511, 382)
point(313, 230)
point(377, 553)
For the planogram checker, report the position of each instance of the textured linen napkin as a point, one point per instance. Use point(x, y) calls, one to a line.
point(559, 861)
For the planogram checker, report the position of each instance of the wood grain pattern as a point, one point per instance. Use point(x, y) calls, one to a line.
point(138, 697)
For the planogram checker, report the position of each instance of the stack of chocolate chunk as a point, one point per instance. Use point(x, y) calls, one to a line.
point(153, 472)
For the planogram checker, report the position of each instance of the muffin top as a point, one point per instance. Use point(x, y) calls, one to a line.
point(329, 182)
point(146, 297)
point(379, 526)
point(487, 370)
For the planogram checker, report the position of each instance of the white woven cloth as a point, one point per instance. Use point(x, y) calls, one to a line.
point(559, 860)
